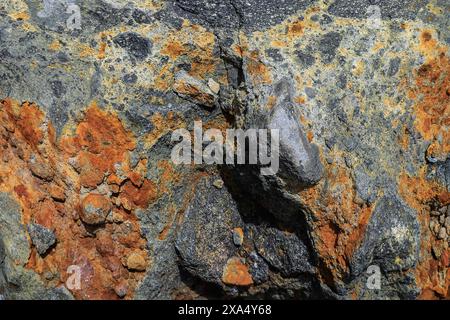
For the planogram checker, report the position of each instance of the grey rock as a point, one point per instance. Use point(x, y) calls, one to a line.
point(12, 231)
point(136, 45)
point(250, 15)
point(305, 58)
point(300, 164)
point(310, 92)
point(284, 252)
point(258, 269)
point(42, 238)
point(16, 281)
point(394, 65)
point(391, 240)
point(58, 294)
point(443, 210)
point(442, 233)
point(203, 242)
point(328, 46)
point(275, 54)
point(389, 9)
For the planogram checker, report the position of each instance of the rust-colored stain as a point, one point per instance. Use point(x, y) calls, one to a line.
point(163, 124)
point(257, 69)
point(432, 274)
point(432, 91)
point(341, 221)
point(173, 49)
point(296, 28)
point(94, 156)
point(102, 51)
point(194, 46)
point(236, 273)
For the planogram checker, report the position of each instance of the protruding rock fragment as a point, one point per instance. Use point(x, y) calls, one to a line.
point(41, 170)
point(238, 236)
point(136, 262)
point(121, 289)
point(204, 242)
point(300, 164)
point(194, 90)
point(284, 251)
point(41, 237)
point(214, 86)
point(95, 209)
point(236, 273)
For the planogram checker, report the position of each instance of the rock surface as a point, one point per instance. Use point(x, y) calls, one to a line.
point(41, 237)
point(359, 91)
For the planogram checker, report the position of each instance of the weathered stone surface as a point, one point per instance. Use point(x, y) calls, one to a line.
point(392, 236)
point(203, 242)
point(283, 251)
point(41, 237)
point(358, 89)
point(95, 209)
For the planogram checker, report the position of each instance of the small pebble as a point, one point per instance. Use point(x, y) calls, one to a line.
point(48, 275)
point(437, 228)
point(214, 86)
point(121, 289)
point(432, 225)
point(442, 233)
point(437, 251)
point(443, 210)
point(43, 239)
point(218, 183)
point(238, 236)
point(136, 262)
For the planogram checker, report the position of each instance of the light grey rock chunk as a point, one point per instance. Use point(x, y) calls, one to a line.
point(299, 160)
point(58, 294)
point(391, 239)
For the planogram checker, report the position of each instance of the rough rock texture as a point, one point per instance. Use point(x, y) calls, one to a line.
point(41, 237)
point(362, 102)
